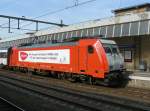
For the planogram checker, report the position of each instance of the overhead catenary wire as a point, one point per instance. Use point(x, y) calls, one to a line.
point(56, 11)
point(6, 5)
point(53, 12)
point(17, 28)
point(62, 9)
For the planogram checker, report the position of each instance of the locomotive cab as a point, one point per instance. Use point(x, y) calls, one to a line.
point(115, 62)
point(114, 56)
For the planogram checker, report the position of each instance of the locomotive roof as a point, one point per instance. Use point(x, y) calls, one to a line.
point(70, 43)
point(107, 41)
point(50, 44)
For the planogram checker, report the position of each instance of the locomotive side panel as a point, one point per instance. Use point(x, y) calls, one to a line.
point(97, 61)
point(12, 57)
point(82, 59)
point(92, 58)
point(62, 59)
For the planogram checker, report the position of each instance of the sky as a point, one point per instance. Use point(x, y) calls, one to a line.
point(33, 8)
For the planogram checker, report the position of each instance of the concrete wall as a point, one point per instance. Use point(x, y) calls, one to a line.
point(132, 11)
point(145, 50)
point(127, 40)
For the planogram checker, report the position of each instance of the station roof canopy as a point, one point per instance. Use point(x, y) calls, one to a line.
point(131, 7)
point(125, 25)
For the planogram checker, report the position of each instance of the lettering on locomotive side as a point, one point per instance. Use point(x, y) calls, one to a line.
point(61, 56)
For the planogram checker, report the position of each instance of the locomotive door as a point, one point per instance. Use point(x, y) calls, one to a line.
point(82, 59)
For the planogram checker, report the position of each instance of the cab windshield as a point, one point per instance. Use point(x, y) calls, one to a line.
point(111, 48)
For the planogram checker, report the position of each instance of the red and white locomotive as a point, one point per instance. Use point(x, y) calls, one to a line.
point(88, 59)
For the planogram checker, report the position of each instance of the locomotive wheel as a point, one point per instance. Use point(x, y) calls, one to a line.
point(74, 78)
point(60, 76)
point(103, 82)
point(90, 80)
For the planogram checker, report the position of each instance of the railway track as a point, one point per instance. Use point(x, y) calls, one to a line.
point(136, 94)
point(6, 105)
point(76, 100)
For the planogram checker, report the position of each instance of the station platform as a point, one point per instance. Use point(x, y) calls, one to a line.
point(139, 79)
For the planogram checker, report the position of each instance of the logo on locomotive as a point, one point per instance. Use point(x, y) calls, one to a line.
point(23, 55)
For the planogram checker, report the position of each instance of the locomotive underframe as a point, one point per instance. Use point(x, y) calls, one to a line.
point(114, 78)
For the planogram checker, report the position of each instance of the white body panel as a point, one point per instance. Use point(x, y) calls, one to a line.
point(46, 56)
point(3, 61)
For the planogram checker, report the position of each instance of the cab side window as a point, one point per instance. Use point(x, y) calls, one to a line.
point(114, 50)
point(90, 49)
point(107, 50)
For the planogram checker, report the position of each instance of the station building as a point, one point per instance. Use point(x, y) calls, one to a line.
point(129, 27)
